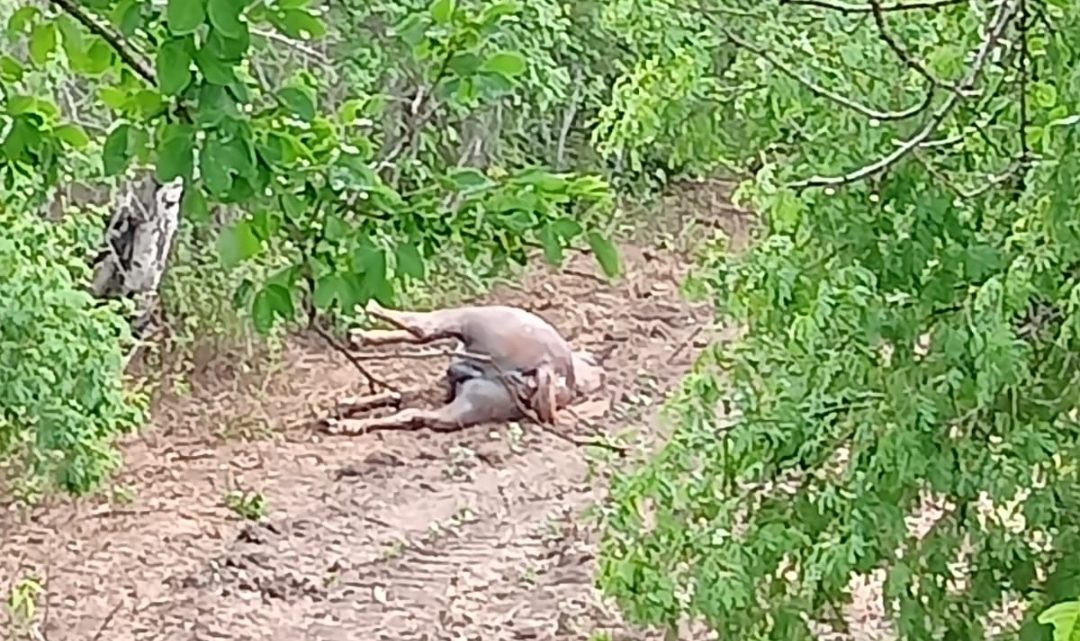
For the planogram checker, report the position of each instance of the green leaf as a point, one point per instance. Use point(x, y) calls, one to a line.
point(237, 243)
point(469, 178)
point(175, 153)
point(333, 288)
point(10, 69)
point(115, 156)
point(230, 49)
point(42, 42)
point(508, 64)
point(553, 250)
point(216, 70)
point(127, 16)
point(71, 35)
point(566, 228)
point(185, 16)
point(214, 168)
point(193, 205)
point(99, 57)
point(174, 65)
point(21, 19)
point(335, 228)
point(298, 102)
point(605, 253)
point(73, 135)
point(496, 12)
point(409, 261)
point(442, 11)
point(272, 302)
point(225, 17)
point(1044, 95)
point(1065, 618)
point(299, 24)
point(370, 262)
point(215, 104)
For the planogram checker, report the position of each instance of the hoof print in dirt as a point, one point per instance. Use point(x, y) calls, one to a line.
point(374, 465)
point(258, 533)
point(252, 572)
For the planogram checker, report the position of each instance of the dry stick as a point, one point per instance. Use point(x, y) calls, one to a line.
point(1000, 21)
point(818, 90)
point(684, 342)
point(847, 7)
point(107, 621)
point(371, 380)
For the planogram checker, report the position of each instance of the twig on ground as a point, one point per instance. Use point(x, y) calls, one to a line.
point(684, 342)
point(108, 619)
point(373, 382)
point(1001, 19)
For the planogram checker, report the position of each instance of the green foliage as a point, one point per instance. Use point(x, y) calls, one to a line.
point(910, 304)
point(1065, 617)
point(62, 400)
point(250, 506)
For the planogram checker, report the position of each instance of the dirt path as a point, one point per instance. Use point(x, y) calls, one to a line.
point(472, 534)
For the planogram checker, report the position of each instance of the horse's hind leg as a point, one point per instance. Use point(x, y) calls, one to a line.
point(424, 326)
point(478, 400)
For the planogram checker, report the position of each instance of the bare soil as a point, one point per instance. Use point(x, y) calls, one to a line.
point(475, 534)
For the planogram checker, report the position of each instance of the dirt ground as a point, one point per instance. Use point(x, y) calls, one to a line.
point(475, 534)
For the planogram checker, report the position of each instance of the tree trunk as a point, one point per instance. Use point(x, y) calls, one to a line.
point(138, 243)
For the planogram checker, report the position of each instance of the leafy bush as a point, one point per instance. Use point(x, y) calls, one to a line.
point(62, 398)
point(910, 310)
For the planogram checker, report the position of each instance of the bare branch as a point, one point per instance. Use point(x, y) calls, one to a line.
point(849, 7)
point(901, 51)
point(1005, 12)
point(816, 89)
point(116, 42)
point(988, 182)
point(318, 56)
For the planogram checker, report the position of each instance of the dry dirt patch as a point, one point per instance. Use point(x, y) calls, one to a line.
point(392, 535)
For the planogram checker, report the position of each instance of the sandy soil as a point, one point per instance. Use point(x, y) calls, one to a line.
point(474, 534)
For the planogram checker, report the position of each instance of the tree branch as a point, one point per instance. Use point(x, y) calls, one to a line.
point(901, 52)
point(116, 42)
point(848, 7)
point(1005, 12)
point(818, 90)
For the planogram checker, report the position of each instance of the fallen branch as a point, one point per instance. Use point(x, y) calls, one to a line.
point(822, 92)
point(1005, 12)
